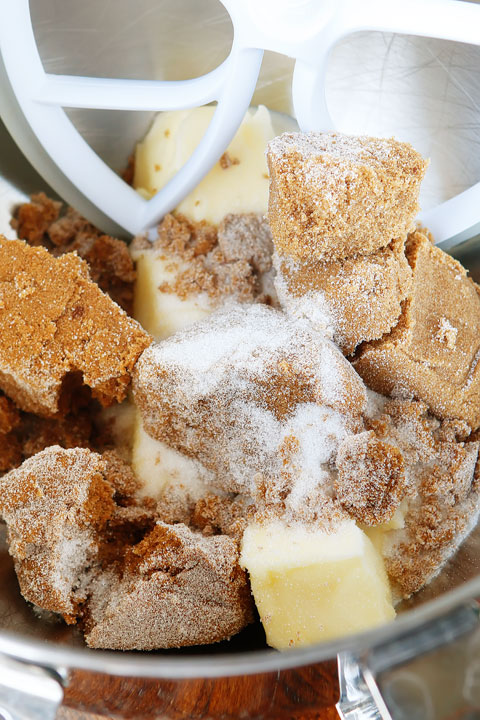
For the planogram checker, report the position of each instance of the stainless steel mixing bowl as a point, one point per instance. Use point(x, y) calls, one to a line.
point(422, 91)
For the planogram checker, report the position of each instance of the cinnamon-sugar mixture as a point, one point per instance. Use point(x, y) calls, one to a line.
point(262, 398)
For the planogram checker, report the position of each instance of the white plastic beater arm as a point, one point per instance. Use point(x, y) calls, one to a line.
point(75, 157)
point(457, 219)
point(231, 109)
point(453, 221)
point(119, 94)
point(445, 19)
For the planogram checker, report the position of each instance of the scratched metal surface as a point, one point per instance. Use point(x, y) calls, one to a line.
point(426, 92)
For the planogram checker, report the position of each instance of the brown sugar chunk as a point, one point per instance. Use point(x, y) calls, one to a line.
point(68, 431)
point(46, 222)
point(87, 547)
point(246, 236)
point(442, 498)
point(122, 478)
point(82, 426)
point(437, 458)
point(371, 478)
point(43, 222)
point(236, 388)
point(25, 434)
point(432, 354)
point(55, 505)
point(231, 261)
point(9, 415)
point(179, 588)
point(433, 532)
point(110, 265)
point(359, 298)
point(54, 321)
point(333, 195)
point(65, 229)
point(34, 218)
point(10, 451)
point(227, 515)
point(10, 446)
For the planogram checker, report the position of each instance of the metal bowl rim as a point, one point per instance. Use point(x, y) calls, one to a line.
point(141, 665)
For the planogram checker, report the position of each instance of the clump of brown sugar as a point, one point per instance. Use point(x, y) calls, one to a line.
point(9, 415)
point(24, 434)
point(10, 446)
point(333, 195)
point(441, 491)
point(232, 260)
point(110, 264)
point(32, 220)
point(358, 298)
point(179, 588)
point(55, 505)
point(371, 478)
point(340, 209)
point(230, 390)
point(68, 431)
point(54, 321)
point(61, 229)
point(432, 353)
point(433, 532)
point(85, 546)
point(226, 515)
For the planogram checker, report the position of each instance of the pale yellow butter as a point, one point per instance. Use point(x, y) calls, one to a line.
point(377, 533)
point(237, 184)
point(162, 313)
point(160, 468)
point(310, 586)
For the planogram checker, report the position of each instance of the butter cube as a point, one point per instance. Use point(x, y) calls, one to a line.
point(377, 533)
point(161, 469)
point(237, 183)
point(164, 313)
point(311, 586)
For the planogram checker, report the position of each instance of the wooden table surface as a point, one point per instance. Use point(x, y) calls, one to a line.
point(308, 693)
point(65, 713)
point(68, 714)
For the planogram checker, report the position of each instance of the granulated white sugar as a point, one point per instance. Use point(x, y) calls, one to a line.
point(249, 391)
point(311, 305)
